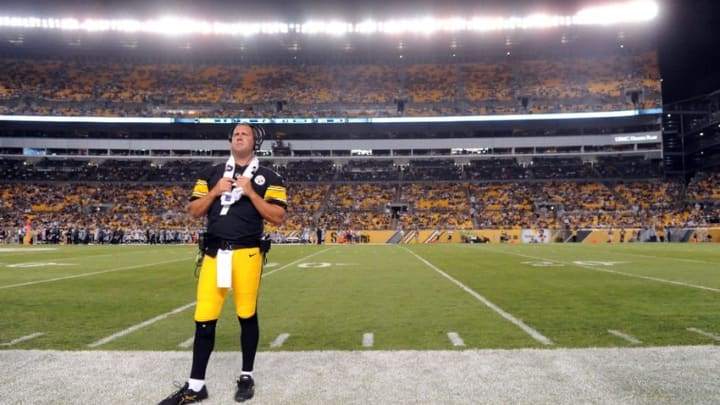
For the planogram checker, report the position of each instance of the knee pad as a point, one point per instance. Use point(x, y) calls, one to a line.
point(205, 329)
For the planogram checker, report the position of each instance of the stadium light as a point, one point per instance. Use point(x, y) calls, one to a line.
point(636, 11)
point(326, 27)
point(366, 27)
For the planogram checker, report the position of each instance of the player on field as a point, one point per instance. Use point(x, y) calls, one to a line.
point(236, 198)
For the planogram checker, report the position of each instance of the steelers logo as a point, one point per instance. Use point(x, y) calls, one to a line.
point(260, 180)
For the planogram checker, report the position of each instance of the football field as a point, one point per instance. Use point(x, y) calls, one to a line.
point(416, 301)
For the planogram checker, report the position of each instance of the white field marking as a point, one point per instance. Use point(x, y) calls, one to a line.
point(706, 334)
point(679, 259)
point(49, 280)
point(517, 322)
point(22, 339)
point(25, 250)
point(295, 262)
point(622, 273)
point(546, 263)
point(187, 343)
point(368, 339)
point(455, 339)
point(314, 265)
point(139, 326)
point(280, 340)
point(149, 322)
point(29, 265)
point(85, 257)
point(624, 336)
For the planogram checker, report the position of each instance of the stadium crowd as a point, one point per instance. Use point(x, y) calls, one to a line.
point(137, 201)
point(532, 84)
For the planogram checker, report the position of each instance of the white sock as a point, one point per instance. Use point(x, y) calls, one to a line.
point(242, 373)
point(195, 385)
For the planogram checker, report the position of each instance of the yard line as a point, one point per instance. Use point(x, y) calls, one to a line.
point(622, 273)
point(517, 322)
point(6, 250)
point(455, 339)
point(140, 325)
point(49, 280)
point(280, 340)
point(22, 339)
point(295, 262)
point(624, 336)
point(180, 309)
point(706, 334)
point(679, 259)
point(368, 340)
point(187, 343)
point(134, 253)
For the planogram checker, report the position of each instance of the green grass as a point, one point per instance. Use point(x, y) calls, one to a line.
point(327, 297)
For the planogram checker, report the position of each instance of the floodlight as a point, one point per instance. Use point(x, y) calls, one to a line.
point(366, 27)
point(621, 13)
point(330, 27)
point(97, 25)
point(70, 24)
point(636, 11)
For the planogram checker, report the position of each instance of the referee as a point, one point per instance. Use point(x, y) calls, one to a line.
point(236, 198)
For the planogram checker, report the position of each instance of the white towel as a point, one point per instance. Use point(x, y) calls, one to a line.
point(229, 198)
point(224, 268)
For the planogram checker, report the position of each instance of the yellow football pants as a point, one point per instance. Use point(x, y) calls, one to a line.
point(246, 273)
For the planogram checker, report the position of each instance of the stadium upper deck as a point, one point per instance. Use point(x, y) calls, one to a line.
point(508, 77)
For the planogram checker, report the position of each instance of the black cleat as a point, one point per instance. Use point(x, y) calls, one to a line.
point(245, 388)
point(185, 396)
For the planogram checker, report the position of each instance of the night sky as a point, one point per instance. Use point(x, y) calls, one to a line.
point(689, 30)
point(690, 49)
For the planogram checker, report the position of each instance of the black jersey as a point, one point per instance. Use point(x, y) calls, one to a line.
point(243, 224)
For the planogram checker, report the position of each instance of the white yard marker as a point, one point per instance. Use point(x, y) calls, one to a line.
point(149, 322)
point(456, 339)
point(280, 340)
point(706, 334)
point(368, 339)
point(22, 339)
point(49, 280)
point(187, 343)
point(295, 262)
point(517, 322)
point(606, 270)
point(624, 336)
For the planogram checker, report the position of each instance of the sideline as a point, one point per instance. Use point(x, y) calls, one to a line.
point(640, 376)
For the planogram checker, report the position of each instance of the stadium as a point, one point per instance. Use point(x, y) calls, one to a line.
point(485, 205)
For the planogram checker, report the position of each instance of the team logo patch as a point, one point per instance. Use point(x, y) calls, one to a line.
point(228, 168)
point(260, 180)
